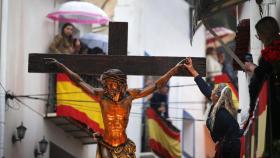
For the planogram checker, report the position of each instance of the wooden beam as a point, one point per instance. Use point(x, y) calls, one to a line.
point(97, 64)
point(118, 38)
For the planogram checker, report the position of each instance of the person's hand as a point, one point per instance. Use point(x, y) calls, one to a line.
point(188, 64)
point(71, 50)
point(249, 119)
point(180, 63)
point(162, 108)
point(250, 67)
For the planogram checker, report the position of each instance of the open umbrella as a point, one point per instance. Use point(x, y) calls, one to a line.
point(79, 12)
point(225, 34)
point(93, 40)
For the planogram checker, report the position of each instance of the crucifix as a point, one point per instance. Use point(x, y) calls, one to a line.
point(117, 58)
point(114, 97)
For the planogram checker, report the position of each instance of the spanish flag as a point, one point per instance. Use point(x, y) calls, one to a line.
point(164, 138)
point(253, 141)
point(260, 127)
point(73, 102)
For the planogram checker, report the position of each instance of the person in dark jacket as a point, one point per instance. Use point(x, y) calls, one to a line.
point(221, 121)
point(159, 101)
point(268, 68)
point(268, 33)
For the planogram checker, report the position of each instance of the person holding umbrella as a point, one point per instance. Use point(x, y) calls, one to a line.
point(62, 44)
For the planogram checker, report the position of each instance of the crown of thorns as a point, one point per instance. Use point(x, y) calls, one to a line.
point(114, 74)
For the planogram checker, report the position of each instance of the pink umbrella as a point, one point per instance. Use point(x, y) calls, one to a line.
point(225, 34)
point(79, 12)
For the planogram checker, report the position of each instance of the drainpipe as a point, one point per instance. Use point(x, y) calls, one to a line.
point(3, 52)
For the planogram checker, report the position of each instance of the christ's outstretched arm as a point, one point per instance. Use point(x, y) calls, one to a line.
point(95, 92)
point(162, 81)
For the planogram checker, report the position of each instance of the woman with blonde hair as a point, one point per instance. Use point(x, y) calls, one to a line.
point(221, 121)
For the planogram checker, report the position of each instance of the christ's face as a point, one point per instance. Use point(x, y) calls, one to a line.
point(114, 89)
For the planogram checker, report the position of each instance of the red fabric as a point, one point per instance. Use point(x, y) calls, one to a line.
point(222, 78)
point(62, 77)
point(218, 150)
point(67, 111)
point(243, 146)
point(253, 128)
point(263, 98)
point(158, 149)
point(153, 115)
point(272, 52)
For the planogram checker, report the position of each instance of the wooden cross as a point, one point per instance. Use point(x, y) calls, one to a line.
point(117, 59)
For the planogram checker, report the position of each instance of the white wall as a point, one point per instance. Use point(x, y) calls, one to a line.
point(29, 31)
point(4, 20)
point(161, 28)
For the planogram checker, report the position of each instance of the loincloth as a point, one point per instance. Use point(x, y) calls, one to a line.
point(126, 150)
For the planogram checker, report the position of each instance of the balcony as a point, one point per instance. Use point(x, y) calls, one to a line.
point(69, 125)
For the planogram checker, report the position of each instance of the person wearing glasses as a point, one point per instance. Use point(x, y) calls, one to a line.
point(268, 33)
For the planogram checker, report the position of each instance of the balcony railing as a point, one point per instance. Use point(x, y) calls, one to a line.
point(71, 126)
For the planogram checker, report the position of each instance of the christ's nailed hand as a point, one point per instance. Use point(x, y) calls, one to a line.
point(52, 62)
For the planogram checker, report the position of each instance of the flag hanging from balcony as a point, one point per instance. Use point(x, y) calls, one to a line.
point(164, 138)
point(73, 102)
point(253, 141)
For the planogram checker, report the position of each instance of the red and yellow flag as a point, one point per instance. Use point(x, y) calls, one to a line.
point(253, 142)
point(73, 102)
point(164, 138)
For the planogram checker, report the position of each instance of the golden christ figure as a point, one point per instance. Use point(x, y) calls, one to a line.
point(115, 100)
